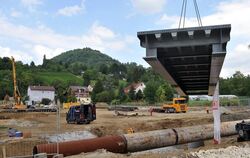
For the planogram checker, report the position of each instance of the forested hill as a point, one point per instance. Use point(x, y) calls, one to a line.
point(86, 56)
point(83, 67)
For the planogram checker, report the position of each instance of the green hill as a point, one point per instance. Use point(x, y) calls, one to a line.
point(86, 56)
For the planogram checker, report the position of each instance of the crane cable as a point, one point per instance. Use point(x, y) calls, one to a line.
point(183, 13)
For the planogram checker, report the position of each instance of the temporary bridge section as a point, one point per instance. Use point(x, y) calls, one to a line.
point(190, 59)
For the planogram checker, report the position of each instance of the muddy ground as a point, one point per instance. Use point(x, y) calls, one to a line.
point(40, 125)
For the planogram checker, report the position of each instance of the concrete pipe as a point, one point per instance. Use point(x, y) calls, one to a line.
point(168, 137)
point(149, 140)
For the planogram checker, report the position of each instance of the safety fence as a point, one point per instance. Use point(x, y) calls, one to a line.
point(21, 131)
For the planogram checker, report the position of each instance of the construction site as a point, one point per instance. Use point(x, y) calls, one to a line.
point(189, 59)
point(152, 136)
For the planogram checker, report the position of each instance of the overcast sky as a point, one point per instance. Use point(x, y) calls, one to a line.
point(31, 28)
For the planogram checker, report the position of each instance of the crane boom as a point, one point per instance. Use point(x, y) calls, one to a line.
point(17, 95)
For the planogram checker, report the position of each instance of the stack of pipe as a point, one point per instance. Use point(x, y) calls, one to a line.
point(139, 141)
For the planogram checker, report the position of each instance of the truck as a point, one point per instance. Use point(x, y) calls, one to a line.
point(178, 105)
point(83, 114)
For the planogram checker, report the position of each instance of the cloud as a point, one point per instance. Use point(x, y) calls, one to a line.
point(232, 12)
point(36, 42)
point(237, 60)
point(31, 4)
point(102, 38)
point(226, 12)
point(40, 50)
point(72, 10)
point(17, 54)
point(148, 6)
point(16, 14)
point(41, 35)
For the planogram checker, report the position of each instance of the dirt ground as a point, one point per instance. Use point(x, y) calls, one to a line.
point(107, 123)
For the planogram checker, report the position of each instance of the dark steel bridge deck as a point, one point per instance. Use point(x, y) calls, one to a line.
point(190, 59)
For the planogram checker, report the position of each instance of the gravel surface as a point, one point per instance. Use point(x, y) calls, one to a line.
point(21, 123)
point(69, 136)
point(229, 152)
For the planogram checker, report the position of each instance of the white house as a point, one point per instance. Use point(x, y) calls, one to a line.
point(37, 93)
point(136, 86)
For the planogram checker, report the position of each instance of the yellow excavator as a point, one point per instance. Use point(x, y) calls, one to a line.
point(16, 94)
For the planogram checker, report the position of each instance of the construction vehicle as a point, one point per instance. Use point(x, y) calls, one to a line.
point(243, 130)
point(69, 104)
point(178, 105)
point(86, 100)
point(16, 94)
point(83, 114)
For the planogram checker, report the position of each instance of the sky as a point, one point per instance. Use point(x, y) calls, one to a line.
point(31, 28)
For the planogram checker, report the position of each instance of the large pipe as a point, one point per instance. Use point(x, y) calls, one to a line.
point(140, 141)
point(110, 143)
point(162, 138)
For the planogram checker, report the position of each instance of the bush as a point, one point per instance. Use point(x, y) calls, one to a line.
point(104, 96)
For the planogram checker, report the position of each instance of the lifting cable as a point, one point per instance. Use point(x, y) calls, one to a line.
point(183, 13)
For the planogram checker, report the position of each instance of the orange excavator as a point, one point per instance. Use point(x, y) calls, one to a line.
point(17, 96)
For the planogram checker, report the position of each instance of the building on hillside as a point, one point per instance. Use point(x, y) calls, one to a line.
point(136, 86)
point(37, 93)
point(81, 93)
point(90, 88)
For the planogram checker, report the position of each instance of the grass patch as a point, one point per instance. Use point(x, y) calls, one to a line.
point(65, 77)
point(199, 103)
point(223, 102)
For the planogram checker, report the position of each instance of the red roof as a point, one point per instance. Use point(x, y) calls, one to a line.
point(42, 88)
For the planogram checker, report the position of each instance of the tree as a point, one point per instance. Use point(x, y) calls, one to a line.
point(45, 61)
point(104, 96)
point(103, 69)
point(135, 72)
point(139, 95)
point(98, 88)
point(32, 64)
point(60, 90)
point(114, 69)
point(169, 91)
point(150, 92)
point(131, 93)
point(5, 64)
point(121, 94)
point(86, 78)
point(161, 94)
